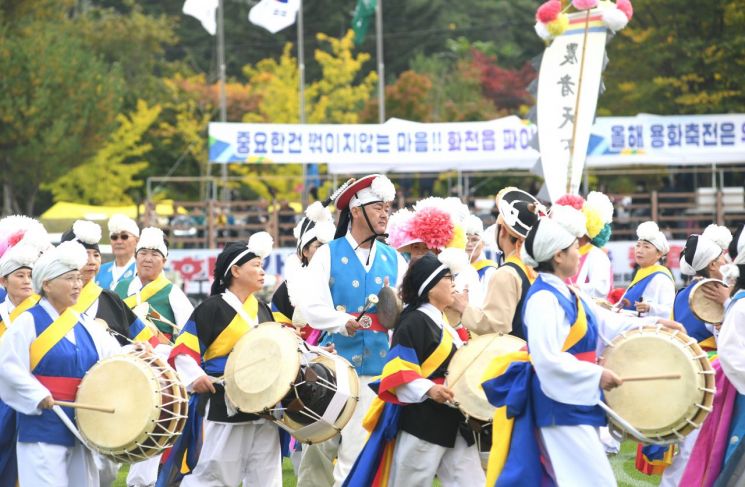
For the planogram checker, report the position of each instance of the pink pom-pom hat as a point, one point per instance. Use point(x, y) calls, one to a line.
point(584, 4)
point(625, 7)
point(432, 226)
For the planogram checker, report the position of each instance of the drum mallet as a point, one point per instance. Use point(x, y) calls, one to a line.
point(371, 301)
point(79, 405)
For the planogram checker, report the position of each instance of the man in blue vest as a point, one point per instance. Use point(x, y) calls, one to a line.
point(341, 276)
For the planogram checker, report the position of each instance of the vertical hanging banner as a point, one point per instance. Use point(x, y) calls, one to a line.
point(569, 83)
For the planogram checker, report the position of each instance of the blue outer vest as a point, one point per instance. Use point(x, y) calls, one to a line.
point(637, 290)
point(350, 285)
point(682, 313)
point(63, 360)
point(553, 413)
point(105, 277)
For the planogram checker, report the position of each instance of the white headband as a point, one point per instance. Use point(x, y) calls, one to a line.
point(67, 256)
point(429, 279)
point(706, 252)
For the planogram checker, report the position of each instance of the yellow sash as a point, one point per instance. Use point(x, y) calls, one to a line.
point(645, 272)
point(480, 264)
point(147, 291)
point(88, 296)
point(431, 363)
point(52, 335)
point(527, 270)
point(501, 423)
point(237, 327)
point(24, 305)
point(585, 249)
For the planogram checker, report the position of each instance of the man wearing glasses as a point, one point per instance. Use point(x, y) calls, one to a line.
point(124, 233)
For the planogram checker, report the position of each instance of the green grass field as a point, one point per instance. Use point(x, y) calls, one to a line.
point(623, 467)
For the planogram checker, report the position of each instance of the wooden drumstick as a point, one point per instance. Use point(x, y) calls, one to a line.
point(639, 378)
point(80, 405)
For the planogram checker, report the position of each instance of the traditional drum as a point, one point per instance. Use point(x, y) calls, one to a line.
point(662, 410)
point(150, 407)
point(466, 369)
point(304, 389)
point(704, 308)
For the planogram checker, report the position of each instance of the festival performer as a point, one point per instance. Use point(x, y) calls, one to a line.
point(652, 291)
point(100, 303)
point(416, 433)
point(167, 305)
point(718, 457)
point(485, 268)
point(595, 275)
point(702, 258)
point(315, 229)
point(355, 264)
point(23, 240)
point(236, 447)
point(555, 386)
point(150, 293)
point(43, 358)
point(123, 233)
point(518, 212)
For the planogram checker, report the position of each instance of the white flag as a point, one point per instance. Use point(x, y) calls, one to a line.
point(274, 15)
point(204, 11)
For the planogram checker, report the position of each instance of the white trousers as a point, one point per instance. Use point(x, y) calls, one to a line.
point(108, 470)
point(43, 464)
point(318, 460)
point(577, 456)
point(674, 472)
point(416, 462)
point(145, 473)
point(232, 453)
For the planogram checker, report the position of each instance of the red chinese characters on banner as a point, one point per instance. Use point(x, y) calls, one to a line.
point(190, 268)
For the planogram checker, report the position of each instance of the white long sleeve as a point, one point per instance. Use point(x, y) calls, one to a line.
point(18, 387)
point(181, 306)
point(731, 343)
point(318, 306)
point(188, 370)
point(596, 271)
point(563, 377)
point(660, 294)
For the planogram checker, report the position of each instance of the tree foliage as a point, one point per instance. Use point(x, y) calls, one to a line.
point(108, 176)
point(58, 104)
point(678, 58)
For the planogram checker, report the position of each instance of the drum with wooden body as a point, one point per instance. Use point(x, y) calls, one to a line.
point(304, 389)
point(704, 308)
point(149, 401)
point(663, 410)
point(466, 370)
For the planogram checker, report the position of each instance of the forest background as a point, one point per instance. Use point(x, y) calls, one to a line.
point(98, 95)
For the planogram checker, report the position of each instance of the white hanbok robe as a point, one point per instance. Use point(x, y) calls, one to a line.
point(576, 453)
point(43, 463)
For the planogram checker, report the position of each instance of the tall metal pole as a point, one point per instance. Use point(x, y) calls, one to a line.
point(381, 64)
point(301, 75)
point(223, 98)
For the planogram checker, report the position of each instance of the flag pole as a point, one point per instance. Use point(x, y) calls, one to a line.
point(381, 64)
point(223, 100)
point(301, 95)
point(576, 103)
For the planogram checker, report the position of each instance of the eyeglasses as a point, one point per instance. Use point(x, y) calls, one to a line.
point(114, 236)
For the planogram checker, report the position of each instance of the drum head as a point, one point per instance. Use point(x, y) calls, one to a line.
point(130, 387)
point(342, 367)
point(703, 308)
point(262, 367)
point(658, 408)
point(466, 371)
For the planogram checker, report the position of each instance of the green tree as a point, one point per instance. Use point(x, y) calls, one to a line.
point(57, 105)
point(110, 174)
point(678, 57)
